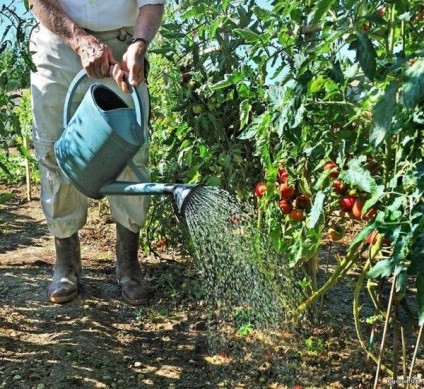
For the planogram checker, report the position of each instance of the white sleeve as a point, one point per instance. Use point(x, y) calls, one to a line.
point(141, 3)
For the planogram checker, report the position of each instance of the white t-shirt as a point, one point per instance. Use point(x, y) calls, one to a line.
point(104, 15)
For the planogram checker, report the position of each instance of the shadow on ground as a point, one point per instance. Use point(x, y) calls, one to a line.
point(97, 341)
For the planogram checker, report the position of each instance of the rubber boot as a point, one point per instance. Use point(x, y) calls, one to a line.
point(67, 270)
point(135, 289)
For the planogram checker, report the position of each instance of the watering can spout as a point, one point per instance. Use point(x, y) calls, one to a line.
point(182, 195)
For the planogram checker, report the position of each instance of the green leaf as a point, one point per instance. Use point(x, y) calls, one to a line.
point(359, 177)
point(229, 79)
point(320, 10)
point(317, 85)
point(420, 299)
point(413, 88)
point(365, 54)
point(363, 234)
point(5, 197)
point(249, 133)
point(245, 108)
point(248, 35)
point(316, 210)
point(376, 195)
point(383, 114)
point(382, 268)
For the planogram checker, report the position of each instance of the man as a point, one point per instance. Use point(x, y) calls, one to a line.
point(108, 39)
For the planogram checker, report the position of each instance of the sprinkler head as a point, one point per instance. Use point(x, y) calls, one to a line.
point(182, 194)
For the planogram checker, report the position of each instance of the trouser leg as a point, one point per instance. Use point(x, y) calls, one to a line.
point(64, 207)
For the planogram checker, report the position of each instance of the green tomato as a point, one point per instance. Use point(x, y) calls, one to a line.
point(197, 109)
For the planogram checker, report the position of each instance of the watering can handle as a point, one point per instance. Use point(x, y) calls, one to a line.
point(73, 87)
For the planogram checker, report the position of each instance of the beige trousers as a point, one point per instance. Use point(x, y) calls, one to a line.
point(64, 207)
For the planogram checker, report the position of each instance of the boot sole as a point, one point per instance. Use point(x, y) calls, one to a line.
point(132, 302)
point(62, 299)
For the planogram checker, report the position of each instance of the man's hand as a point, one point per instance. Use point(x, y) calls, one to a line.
point(147, 25)
point(96, 57)
point(132, 67)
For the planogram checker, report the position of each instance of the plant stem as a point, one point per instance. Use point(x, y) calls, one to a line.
point(396, 341)
point(402, 334)
point(414, 358)
point(340, 271)
point(386, 326)
point(357, 321)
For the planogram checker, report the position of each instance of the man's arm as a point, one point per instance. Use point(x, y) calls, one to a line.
point(95, 56)
point(147, 25)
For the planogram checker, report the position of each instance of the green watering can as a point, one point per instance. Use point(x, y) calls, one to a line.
point(101, 139)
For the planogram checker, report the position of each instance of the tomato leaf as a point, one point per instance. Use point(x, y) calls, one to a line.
point(365, 54)
point(362, 235)
point(382, 268)
point(377, 193)
point(316, 210)
point(245, 108)
point(413, 88)
point(383, 114)
point(229, 79)
point(401, 284)
point(359, 177)
point(320, 9)
point(248, 35)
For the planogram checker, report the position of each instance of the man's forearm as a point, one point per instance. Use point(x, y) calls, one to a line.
point(148, 21)
point(51, 14)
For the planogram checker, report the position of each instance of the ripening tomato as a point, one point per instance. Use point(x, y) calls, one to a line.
point(330, 165)
point(336, 233)
point(260, 189)
point(346, 203)
point(370, 213)
point(340, 187)
point(373, 236)
point(357, 208)
point(302, 202)
point(285, 206)
point(366, 27)
point(161, 243)
point(297, 215)
point(283, 175)
point(286, 191)
point(381, 10)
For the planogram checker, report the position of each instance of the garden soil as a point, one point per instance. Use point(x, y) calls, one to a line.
point(97, 341)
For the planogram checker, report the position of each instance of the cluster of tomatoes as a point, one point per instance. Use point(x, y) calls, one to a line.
point(294, 204)
point(350, 203)
point(290, 202)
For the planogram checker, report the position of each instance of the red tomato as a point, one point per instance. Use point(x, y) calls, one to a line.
point(370, 213)
point(302, 202)
point(286, 191)
point(260, 189)
point(297, 215)
point(283, 175)
point(357, 208)
point(330, 165)
point(340, 187)
point(285, 206)
point(346, 203)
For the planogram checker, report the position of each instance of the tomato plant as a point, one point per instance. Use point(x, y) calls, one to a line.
point(286, 90)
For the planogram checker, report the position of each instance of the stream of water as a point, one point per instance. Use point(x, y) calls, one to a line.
point(241, 272)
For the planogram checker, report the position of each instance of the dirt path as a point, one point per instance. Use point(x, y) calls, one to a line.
point(97, 341)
